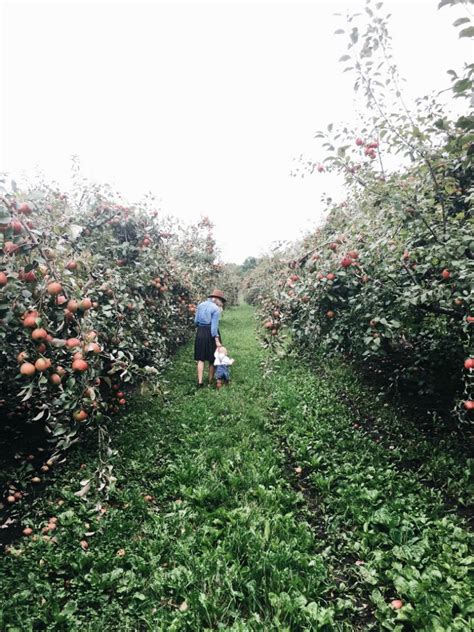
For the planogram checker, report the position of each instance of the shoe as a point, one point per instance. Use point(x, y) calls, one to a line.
point(200, 385)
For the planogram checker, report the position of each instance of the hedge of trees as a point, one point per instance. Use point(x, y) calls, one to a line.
point(388, 278)
point(94, 297)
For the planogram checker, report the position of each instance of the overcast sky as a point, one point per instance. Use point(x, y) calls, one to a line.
point(204, 104)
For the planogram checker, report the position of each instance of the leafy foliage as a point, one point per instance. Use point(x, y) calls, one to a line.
point(95, 295)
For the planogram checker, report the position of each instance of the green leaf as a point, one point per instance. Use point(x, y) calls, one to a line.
point(469, 32)
point(440, 124)
point(462, 85)
point(266, 532)
point(139, 596)
point(465, 122)
point(40, 415)
point(59, 430)
point(460, 21)
point(5, 216)
point(116, 573)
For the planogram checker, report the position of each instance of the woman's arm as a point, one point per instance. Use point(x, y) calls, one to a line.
point(215, 325)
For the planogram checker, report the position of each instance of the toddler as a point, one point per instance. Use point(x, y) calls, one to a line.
point(222, 363)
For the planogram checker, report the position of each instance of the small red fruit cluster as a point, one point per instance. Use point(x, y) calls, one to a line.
point(274, 322)
point(469, 364)
point(14, 496)
point(349, 259)
point(369, 147)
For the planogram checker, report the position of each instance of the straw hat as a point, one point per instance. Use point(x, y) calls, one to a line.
point(218, 294)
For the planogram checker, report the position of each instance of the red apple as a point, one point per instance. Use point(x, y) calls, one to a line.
point(54, 288)
point(25, 209)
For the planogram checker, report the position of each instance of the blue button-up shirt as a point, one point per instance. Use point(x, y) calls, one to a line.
point(207, 313)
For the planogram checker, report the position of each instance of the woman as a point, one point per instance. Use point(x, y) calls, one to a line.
point(208, 338)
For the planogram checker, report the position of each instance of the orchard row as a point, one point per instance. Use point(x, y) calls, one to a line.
point(94, 296)
point(388, 279)
point(387, 286)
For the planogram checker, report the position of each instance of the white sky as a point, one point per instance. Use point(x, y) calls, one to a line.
point(204, 104)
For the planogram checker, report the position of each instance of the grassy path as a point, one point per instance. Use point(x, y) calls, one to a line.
point(221, 547)
point(263, 500)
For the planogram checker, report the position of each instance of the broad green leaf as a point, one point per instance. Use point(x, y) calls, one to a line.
point(460, 21)
point(468, 32)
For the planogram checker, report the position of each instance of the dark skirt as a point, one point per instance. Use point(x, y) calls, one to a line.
point(204, 344)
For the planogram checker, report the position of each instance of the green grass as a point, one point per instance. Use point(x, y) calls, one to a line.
point(224, 536)
point(440, 454)
point(408, 544)
point(236, 537)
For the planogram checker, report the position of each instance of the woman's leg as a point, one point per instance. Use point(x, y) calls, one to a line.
point(211, 372)
point(200, 370)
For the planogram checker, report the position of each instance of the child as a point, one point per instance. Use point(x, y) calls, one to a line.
point(222, 363)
